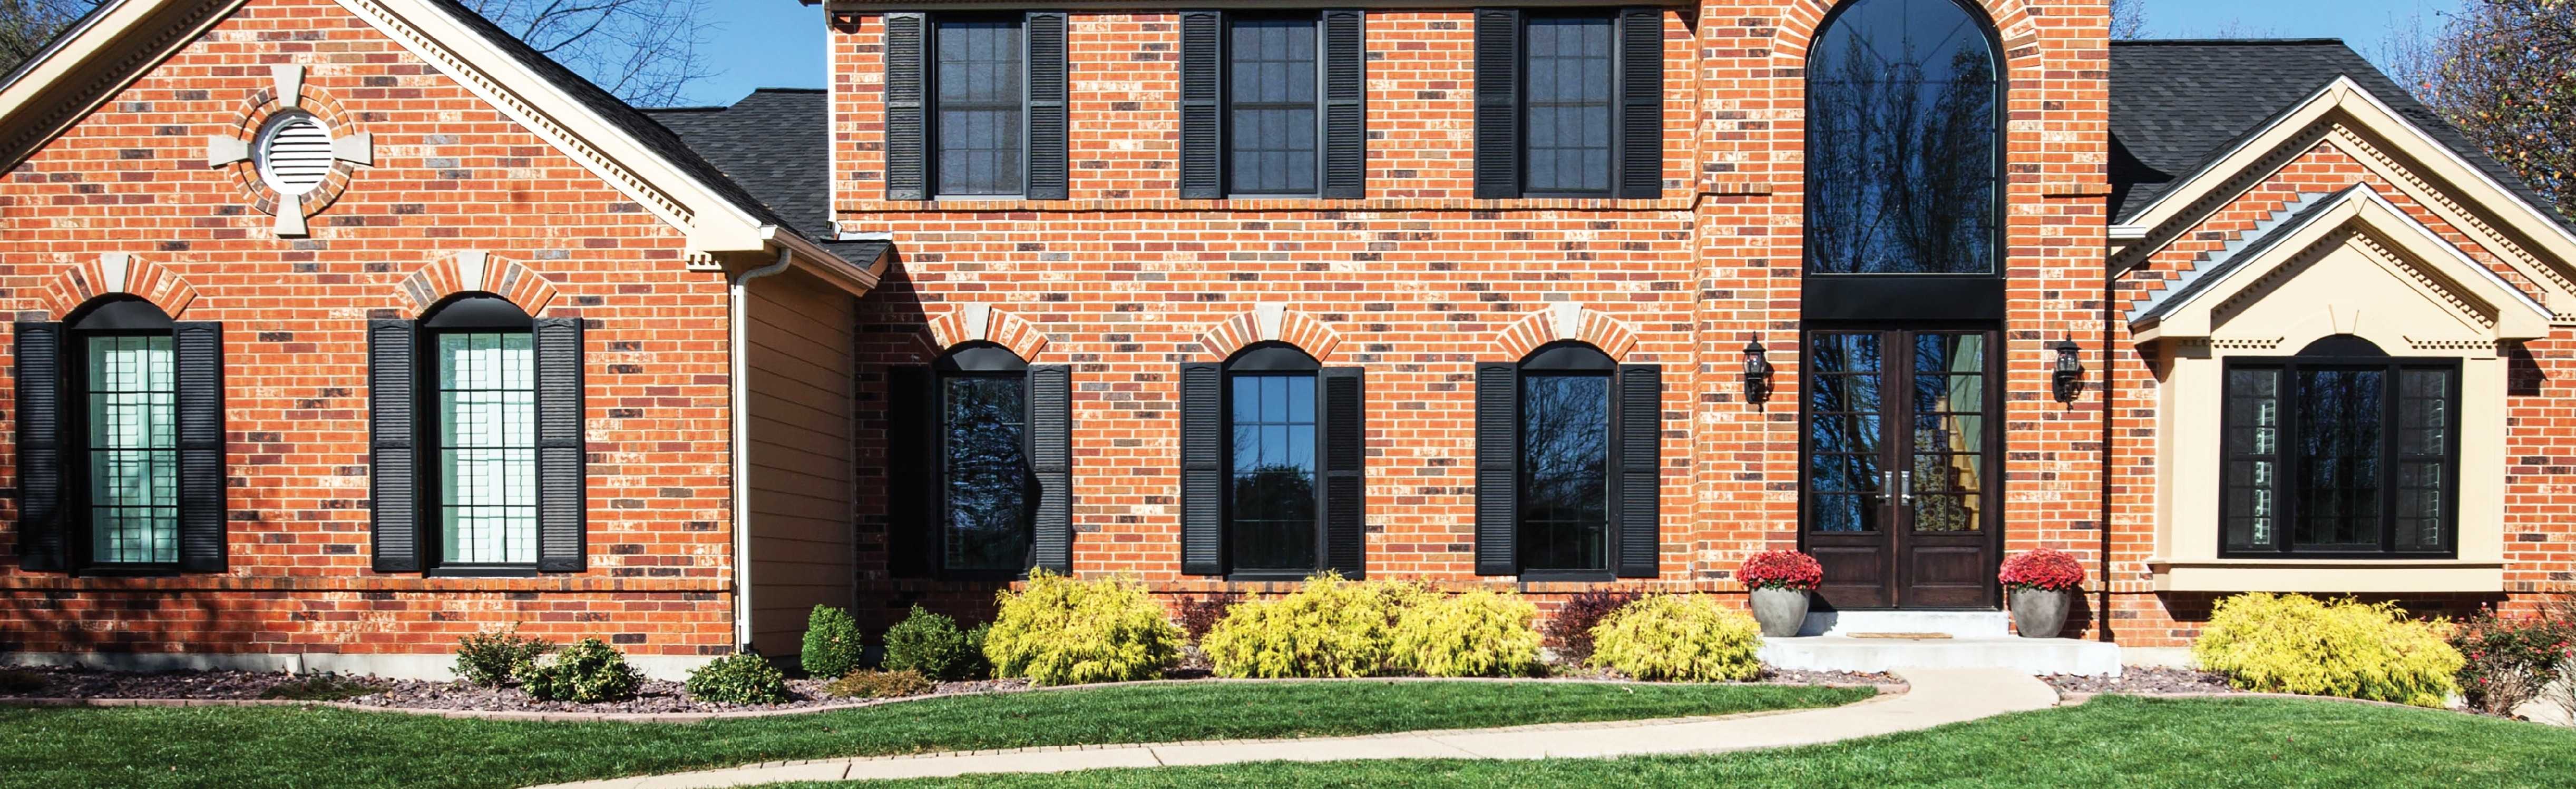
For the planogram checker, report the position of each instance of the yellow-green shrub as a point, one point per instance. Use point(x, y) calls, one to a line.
point(1327, 628)
point(1059, 631)
point(1477, 634)
point(2298, 644)
point(1679, 637)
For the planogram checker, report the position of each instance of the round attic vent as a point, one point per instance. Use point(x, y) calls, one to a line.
point(293, 153)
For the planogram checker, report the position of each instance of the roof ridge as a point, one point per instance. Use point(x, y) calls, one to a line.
point(2205, 42)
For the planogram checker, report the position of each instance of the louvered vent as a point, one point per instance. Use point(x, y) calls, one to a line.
point(294, 154)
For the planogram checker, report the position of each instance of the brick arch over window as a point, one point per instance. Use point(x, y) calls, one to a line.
point(1270, 322)
point(117, 272)
point(2011, 19)
point(984, 322)
point(1565, 320)
point(475, 272)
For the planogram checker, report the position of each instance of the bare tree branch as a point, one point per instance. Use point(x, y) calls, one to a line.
point(645, 51)
point(2128, 19)
point(27, 26)
point(2504, 72)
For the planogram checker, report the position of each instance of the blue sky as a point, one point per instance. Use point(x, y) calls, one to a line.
point(779, 43)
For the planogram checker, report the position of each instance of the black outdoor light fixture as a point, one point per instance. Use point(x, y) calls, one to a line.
point(1757, 372)
point(2069, 377)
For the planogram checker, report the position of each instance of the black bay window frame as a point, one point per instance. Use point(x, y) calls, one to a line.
point(2291, 465)
point(911, 105)
point(1207, 464)
point(54, 526)
point(917, 452)
point(1501, 94)
point(1633, 521)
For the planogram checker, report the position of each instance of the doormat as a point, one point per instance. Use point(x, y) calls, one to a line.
point(1902, 635)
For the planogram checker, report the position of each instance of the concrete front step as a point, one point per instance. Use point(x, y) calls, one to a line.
point(1956, 624)
point(2026, 655)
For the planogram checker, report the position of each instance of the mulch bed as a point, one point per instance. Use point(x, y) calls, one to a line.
point(2143, 680)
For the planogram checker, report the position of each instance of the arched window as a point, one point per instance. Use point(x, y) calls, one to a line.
point(1567, 465)
point(982, 465)
point(1271, 466)
point(120, 446)
point(2341, 450)
point(1903, 140)
point(477, 428)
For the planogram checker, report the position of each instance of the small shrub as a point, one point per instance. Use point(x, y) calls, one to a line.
point(320, 687)
point(1059, 631)
point(1199, 614)
point(492, 657)
point(832, 645)
point(1327, 628)
point(880, 685)
point(974, 666)
point(1781, 570)
point(588, 672)
point(2044, 569)
point(1571, 627)
point(2298, 644)
point(2511, 660)
point(738, 678)
point(1477, 634)
point(1679, 637)
point(928, 643)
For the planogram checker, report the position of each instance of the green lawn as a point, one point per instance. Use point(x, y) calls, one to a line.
point(297, 746)
point(2112, 741)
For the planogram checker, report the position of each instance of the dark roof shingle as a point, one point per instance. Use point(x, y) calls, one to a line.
point(775, 142)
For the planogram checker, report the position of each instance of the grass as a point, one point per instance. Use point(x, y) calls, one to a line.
point(302, 746)
point(2111, 741)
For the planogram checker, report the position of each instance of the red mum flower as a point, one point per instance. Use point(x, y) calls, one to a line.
point(1781, 570)
point(2045, 569)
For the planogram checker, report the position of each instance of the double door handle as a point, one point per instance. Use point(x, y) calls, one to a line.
point(1902, 481)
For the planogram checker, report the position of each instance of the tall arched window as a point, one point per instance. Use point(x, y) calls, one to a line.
point(120, 441)
point(982, 466)
point(1270, 464)
point(1903, 140)
point(1568, 466)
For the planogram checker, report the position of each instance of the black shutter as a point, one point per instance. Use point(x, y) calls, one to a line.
point(1498, 98)
point(40, 446)
point(199, 353)
point(393, 450)
point(1641, 103)
point(1050, 438)
point(1638, 516)
point(1202, 104)
point(1345, 53)
point(1498, 469)
point(913, 467)
point(1046, 111)
point(906, 171)
point(1345, 470)
point(563, 497)
point(1202, 469)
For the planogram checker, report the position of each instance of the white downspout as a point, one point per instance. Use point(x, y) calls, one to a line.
point(738, 402)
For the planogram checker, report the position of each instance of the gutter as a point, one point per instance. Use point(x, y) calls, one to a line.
point(738, 400)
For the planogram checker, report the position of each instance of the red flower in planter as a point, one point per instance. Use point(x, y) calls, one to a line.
point(1781, 570)
point(2045, 569)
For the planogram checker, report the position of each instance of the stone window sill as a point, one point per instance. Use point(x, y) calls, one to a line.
point(2327, 575)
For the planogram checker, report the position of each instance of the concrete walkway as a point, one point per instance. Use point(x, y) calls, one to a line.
point(1938, 696)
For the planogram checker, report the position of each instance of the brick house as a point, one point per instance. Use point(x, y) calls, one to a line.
point(345, 327)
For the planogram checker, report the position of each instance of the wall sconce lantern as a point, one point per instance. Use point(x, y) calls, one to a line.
point(1757, 372)
point(2069, 377)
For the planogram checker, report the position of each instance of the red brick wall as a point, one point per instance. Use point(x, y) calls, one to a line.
point(451, 175)
point(1419, 281)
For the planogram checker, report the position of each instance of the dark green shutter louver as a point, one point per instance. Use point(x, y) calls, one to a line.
point(906, 112)
point(1202, 468)
point(198, 353)
point(913, 463)
point(1046, 105)
point(1345, 470)
point(1641, 103)
point(39, 356)
point(1050, 421)
point(393, 451)
point(1345, 53)
point(563, 498)
point(1498, 96)
point(1640, 458)
point(1202, 105)
point(1498, 469)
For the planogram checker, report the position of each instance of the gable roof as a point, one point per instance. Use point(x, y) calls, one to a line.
point(2179, 105)
point(774, 142)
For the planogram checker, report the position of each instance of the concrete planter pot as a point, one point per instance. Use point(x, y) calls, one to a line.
point(2040, 613)
point(1781, 611)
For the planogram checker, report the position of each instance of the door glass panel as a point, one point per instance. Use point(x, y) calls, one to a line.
point(1946, 475)
point(2339, 426)
point(1845, 421)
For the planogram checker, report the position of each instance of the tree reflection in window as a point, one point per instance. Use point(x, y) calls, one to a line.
point(1902, 141)
point(984, 425)
point(2340, 450)
point(1273, 507)
point(1565, 451)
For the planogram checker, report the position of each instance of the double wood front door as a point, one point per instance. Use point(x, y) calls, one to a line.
point(1900, 499)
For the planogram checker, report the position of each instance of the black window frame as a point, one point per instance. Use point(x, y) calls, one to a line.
point(1226, 101)
point(113, 316)
point(1618, 109)
point(1569, 359)
point(931, 103)
point(2332, 353)
point(1273, 359)
point(991, 361)
point(469, 313)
